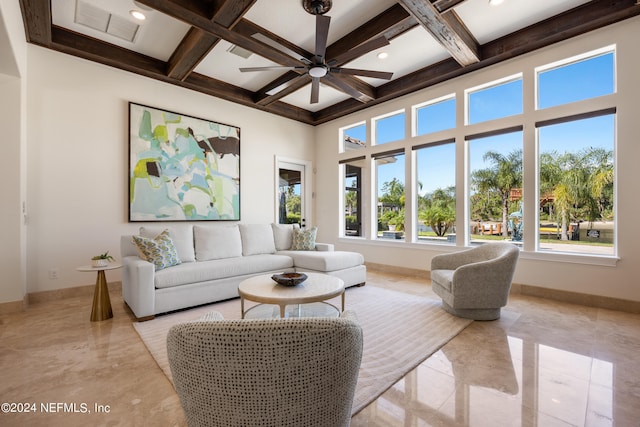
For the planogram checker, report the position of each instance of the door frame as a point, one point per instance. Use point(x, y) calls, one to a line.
point(307, 191)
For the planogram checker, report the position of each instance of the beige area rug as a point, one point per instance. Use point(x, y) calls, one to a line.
point(400, 331)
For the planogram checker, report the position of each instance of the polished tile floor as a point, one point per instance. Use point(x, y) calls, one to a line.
point(544, 363)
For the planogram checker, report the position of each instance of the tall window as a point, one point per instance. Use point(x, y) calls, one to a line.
point(495, 174)
point(494, 100)
point(576, 175)
point(390, 195)
point(436, 192)
point(389, 128)
point(353, 197)
point(569, 156)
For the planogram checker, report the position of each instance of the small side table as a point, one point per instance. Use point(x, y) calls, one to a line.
point(101, 309)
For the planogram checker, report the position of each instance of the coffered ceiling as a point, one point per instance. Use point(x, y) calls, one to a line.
point(202, 44)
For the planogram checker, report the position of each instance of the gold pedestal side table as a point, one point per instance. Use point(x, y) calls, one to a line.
point(101, 309)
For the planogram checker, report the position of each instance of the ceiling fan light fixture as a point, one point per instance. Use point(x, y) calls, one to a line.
point(317, 71)
point(317, 7)
point(383, 55)
point(495, 2)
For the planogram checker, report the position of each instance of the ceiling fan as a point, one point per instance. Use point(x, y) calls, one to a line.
point(317, 67)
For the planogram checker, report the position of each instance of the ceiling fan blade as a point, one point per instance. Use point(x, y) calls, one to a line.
point(363, 73)
point(315, 90)
point(360, 50)
point(343, 86)
point(275, 67)
point(322, 34)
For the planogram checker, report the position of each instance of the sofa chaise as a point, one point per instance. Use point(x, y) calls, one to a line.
point(212, 260)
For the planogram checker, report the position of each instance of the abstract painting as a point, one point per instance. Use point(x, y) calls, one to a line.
point(182, 168)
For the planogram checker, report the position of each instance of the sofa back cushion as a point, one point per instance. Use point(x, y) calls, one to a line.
point(217, 242)
point(283, 235)
point(181, 234)
point(257, 239)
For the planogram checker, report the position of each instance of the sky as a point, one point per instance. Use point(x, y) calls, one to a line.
point(577, 81)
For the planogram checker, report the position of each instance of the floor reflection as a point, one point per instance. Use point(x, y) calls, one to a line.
point(493, 375)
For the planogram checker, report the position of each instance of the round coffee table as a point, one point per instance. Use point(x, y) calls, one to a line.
point(316, 289)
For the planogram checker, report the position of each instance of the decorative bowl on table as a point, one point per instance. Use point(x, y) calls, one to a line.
point(289, 279)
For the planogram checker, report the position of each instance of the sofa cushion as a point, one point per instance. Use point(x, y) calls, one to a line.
point(443, 277)
point(257, 239)
point(220, 269)
point(159, 251)
point(217, 242)
point(283, 236)
point(181, 234)
point(304, 240)
point(324, 261)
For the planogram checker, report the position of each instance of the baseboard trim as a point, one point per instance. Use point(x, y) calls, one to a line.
point(58, 294)
point(587, 300)
point(13, 306)
point(392, 269)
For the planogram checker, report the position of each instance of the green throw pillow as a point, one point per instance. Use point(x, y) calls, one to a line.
point(160, 251)
point(304, 240)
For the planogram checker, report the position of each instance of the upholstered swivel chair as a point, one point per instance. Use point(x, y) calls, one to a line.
point(274, 372)
point(475, 283)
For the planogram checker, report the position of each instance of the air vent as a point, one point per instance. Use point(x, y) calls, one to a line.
point(105, 22)
point(239, 51)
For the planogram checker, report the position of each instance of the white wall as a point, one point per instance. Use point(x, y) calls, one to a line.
point(619, 281)
point(13, 170)
point(78, 157)
point(76, 134)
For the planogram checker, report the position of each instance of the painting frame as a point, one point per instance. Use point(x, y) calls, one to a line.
point(181, 167)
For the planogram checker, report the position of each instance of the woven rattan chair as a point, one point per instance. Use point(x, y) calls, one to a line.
point(475, 283)
point(274, 372)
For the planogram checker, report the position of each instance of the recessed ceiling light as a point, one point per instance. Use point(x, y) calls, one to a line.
point(495, 2)
point(383, 55)
point(137, 14)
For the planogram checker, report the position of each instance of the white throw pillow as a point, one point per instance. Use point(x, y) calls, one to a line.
point(181, 234)
point(217, 242)
point(257, 239)
point(283, 236)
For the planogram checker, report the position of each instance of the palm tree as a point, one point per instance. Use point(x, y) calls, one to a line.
point(580, 183)
point(439, 210)
point(504, 175)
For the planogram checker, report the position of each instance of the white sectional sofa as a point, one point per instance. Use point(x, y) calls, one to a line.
point(216, 258)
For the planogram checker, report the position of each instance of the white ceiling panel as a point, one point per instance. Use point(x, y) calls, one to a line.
point(509, 16)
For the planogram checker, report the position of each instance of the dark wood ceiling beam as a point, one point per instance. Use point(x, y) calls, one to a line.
point(352, 86)
point(446, 29)
point(249, 29)
point(196, 44)
point(390, 23)
point(95, 50)
point(291, 79)
point(445, 5)
point(194, 19)
point(82, 46)
point(226, 91)
point(36, 15)
point(580, 20)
